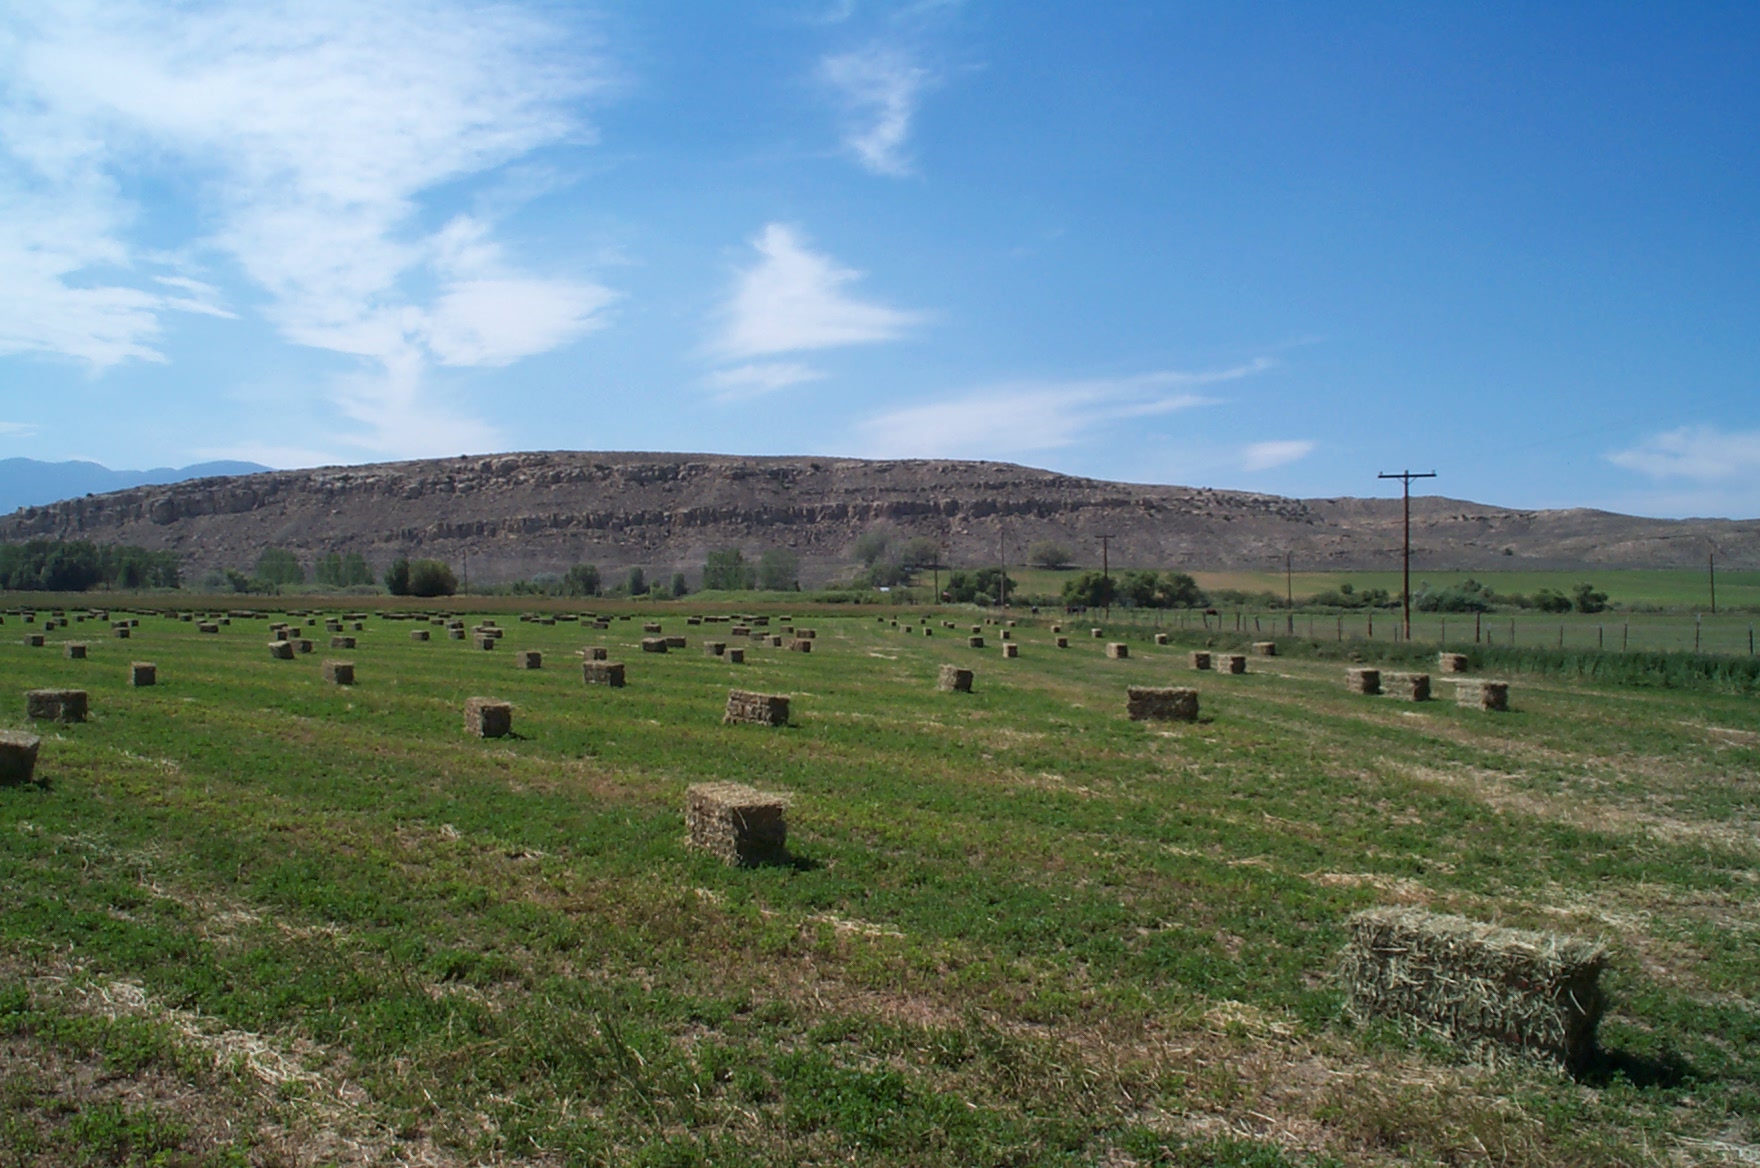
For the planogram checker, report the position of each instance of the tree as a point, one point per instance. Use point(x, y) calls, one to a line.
point(355, 570)
point(779, 570)
point(984, 586)
point(397, 577)
point(920, 552)
point(679, 586)
point(431, 578)
point(870, 546)
point(1089, 590)
point(638, 582)
point(727, 571)
point(1136, 588)
point(280, 566)
point(1047, 554)
point(1551, 600)
point(1179, 590)
point(581, 580)
point(1587, 599)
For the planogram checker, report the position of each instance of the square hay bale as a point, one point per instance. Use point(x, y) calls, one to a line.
point(758, 622)
point(18, 756)
point(1061, 642)
point(1235, 663)
point(528, 659)
point(1147, 703)
point(801, 645)
point(1360, 679)
point(654, 644)
point(1476, 983)
point(740, 826)
point(281, 650)
point(739, 631)
point(1011, 649)
point(975, 642)
point(332, 626)
point(736, 656)
point(977, 630)
point(209, 627)
point(1057, 628)
point(455, 634)
point(1096, 633)
point(143, 673)
point(714, 648)
point(775, 642)
point(675, 642)
point(342, 642)
point(1264, 648)
point(805, 634)
point(123, 633)
point(1483, 695)
point(303, 646)
point(1451, 663)
point(693, 620)
point(1161, 638)
point(74, 650)
point(1408, 687)
point(596, 653)
point(1117, 650)
point(953, 679)
point(488, 718)
point(1006, 635)
point(756, 709)
point(1200, 659)
point(485, 642)
point(602, 673)
point(651, 627)
point(418, 634)
point(339, 672)
point(55, 705)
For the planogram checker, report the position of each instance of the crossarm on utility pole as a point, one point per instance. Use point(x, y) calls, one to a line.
point(1406, 477)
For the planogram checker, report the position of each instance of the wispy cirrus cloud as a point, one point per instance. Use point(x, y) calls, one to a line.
point(1703, 453)
point(313, 130)
point(1266, 455)
point(760, 377)
point(795, 299)
point(1024, 417)
point(878, 89)
point(17, 429)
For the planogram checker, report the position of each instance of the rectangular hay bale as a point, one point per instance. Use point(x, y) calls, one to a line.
point(528, 659)
point(747, 708)
point(18, 756)
point(488, 718)
point(1451, 663)
point(56, 705)
point(1483, 695)
point(1408, 687)
point(654, 644)
point(1264, 648)
point(1117, 650)
point(1232, 663)
point(953, 679)
point(281, 650)
point(601, 672)
point(143, 673)
point(339, 672)
point(1360, 679)
point(74, 651)
point(741, 826)
point(1146, 703)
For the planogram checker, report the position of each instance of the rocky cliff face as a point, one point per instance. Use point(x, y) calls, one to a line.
point(518, 515)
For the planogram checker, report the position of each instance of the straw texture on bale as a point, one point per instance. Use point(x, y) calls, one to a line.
point(1264, 648)
point(1146, 703)
point(55, 705)
point(1011, 650)
point(756, 709)
point(485, 641)
point(1161, 638)
point(1231, 663)
point(1096, 633)
point(739, 825)
point(714, 648)
point(1200, 659)
point(18, 756)
point(675, 642)
point(143, 673)
point(596, 653)
point(600, 672)
point(528, 659)
point(653, 644)
point(1482, 695)
point(975, 642)
point(1117, 650)
point(339, 672)
point(1360, 679)
point(953, 679)
point(342, 642)
point(1408, 687)
point(122, 634)
point(1451, 663)
point(281, 650)
point(801, 645)
point(74, 651)
point(488, 718)
point(1476, 983)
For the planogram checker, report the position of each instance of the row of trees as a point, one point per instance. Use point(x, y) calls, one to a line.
point(54, 565)
point(1134, 589)
point(777, 570)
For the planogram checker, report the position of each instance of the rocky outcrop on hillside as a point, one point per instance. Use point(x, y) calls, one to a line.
point(518, 515)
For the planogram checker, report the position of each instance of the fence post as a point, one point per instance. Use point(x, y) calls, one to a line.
point(1625, 636)
point(1561, 635)
point(1601, 636)
point(1698, 623)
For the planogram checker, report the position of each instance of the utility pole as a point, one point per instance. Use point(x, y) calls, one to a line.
point(1711, 566)
point(1405, 477)
point(1289, 591)
point(1002, 554)
point(1106, 571)
point(467, 573)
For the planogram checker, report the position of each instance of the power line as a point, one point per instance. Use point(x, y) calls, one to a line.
point(1405, 477)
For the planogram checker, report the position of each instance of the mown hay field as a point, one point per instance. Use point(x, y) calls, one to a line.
point(254, 917)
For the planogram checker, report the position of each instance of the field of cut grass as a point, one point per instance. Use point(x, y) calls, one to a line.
point(254, 918)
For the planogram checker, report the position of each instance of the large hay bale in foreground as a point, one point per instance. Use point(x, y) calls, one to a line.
point(339, 672)
point(281, 650)
point(1360, 679)
point(736, 823)
point(1476, 983)
point(488, 718)
point(1117, 650)
point(755, 709)
point(18, 756)
point(1408, 687)
point(1483, 695)
point(953, 679)
point(1264, 648)
point(55, 705)
point(600, 672)
point(1145, 703)
point(1451, 663)
point(528, 659)
point(143, 673)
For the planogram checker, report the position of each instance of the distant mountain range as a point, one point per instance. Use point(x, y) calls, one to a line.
point(26, 482)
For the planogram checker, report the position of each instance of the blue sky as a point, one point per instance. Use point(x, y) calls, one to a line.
point(1277, 247)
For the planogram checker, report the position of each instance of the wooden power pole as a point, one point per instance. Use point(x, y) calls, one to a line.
point(1405, 477)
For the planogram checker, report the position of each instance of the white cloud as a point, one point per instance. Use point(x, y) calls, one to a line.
point(17, 429)
point(1024, 417)
point(316, 128)
point(879, 89)
point(743, 382)
point(794, 299)
point(1265, 455)
point(1702, 453)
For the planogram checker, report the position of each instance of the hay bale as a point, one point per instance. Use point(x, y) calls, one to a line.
point(209, 627)
point(741, 826)
point(1408, 687)
point(755, 709)
point(1476, 983)
point(528, 659)
point(739, 631)
point(801, 645)
point(1006, 635)
point(485, 642)
point(1360, 679)
point(675, 642)
point(975, 642)
point(342, 642)
point(488, 718)
point(1483, 695)
point(736, 656)
point(804, 634)
point(1161, 638)
point(977, 630)
point(653, 644)
point(303, 646)
point(953, 679)
point(714, 648)
point(55, 705)
point(1264, 648)
point(1451, 663)
point(1057, 628)
point(603, 673)
point(123, 633)
point(596, 653)
point(693, 620)
point(143, 673)
point(1200, 659)
point(74, 650)
point(775, 642)
point(332, 626)
point(418, 634)
point(1011, 650)
point(1117, 650)
point(281, 650)
point(927, 631)
point(651, 627)
point(455, 634)
point(18, 756)
point(1147, 703)
point(1061, 642)
point(1235, 663)
point(339, 672)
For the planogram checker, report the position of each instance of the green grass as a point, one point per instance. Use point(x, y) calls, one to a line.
point(1019, 929)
